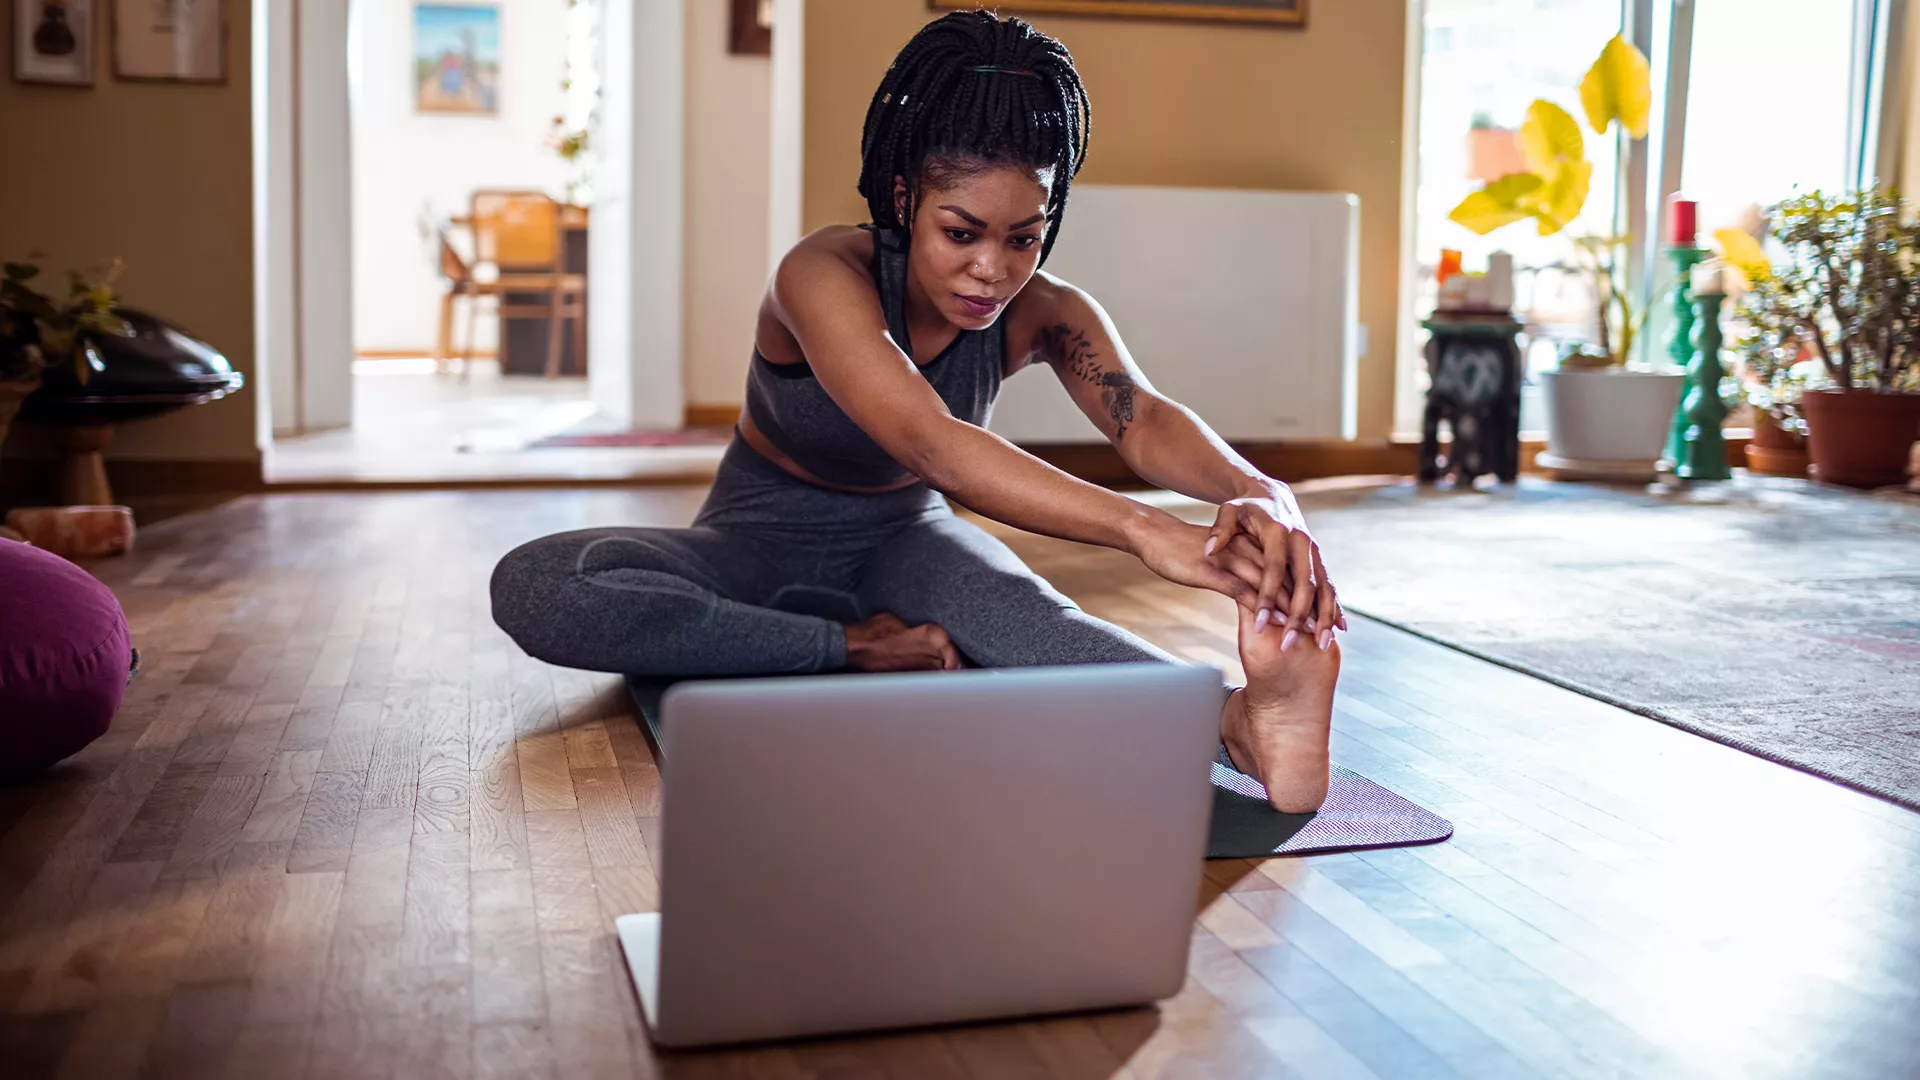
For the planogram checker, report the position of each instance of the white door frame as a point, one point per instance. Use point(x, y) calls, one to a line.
point(302, 202)
point(303, 212)
point(636, 256)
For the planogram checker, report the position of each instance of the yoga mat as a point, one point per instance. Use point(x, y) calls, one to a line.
point(1358, 813)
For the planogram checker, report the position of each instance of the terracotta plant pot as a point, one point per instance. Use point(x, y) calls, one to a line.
point(1775, 451)
point(1860, 438)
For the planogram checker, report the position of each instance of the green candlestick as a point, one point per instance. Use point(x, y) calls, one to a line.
point(1705, 450)
point(1680, 342)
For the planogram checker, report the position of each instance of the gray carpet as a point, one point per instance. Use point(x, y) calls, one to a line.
point(1773, 615)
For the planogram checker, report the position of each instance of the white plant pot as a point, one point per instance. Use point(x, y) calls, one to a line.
point(1609, 423)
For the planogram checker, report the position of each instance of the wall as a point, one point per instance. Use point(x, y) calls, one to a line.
point(728, 104)
point(406, 163)
point(1178, 104)
point(160, 175)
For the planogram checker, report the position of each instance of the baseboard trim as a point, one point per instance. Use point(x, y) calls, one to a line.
point(34, 481)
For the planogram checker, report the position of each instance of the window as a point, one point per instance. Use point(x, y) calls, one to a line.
point(1778, 100)
point(1768, 105)
point(1484, 62)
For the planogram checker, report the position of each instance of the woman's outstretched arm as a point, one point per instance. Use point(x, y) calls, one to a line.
point(1166, 444)
point(830, 306)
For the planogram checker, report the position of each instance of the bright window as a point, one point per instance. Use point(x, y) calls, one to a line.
point(1767, 104)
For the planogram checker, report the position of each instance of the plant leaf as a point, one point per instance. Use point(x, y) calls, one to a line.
point(1549, 137)
point(1744, 254)
point(1618, 87)
point(1497, 204)
point(1558, 201)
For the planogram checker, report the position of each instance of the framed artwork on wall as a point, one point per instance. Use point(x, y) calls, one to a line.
point(53, 42)
point(456, 58)
point(170, 41)
point(750, 28)
point(1268, 12)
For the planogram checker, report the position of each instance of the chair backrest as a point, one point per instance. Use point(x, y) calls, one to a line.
point(452, 266)
point(516, 230)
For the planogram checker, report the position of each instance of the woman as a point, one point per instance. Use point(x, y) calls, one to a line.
point(825, 542)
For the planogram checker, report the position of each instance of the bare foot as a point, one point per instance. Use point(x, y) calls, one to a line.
point(886, 643)
point(1276, 726)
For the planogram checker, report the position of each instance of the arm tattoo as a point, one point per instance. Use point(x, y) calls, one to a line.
point(1068, 350)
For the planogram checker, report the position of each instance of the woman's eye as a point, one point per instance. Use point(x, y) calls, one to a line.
point(1022, 243)
point(959, 236)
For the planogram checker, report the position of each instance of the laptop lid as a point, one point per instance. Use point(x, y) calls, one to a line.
point(844, 853)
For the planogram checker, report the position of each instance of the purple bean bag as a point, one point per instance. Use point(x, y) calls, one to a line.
point(64, 656)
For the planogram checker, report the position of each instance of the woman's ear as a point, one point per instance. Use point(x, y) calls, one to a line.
point(900, 202)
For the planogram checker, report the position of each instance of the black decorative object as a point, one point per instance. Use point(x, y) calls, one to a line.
point(1474, 365)
point(147, 369)
point(151, 369)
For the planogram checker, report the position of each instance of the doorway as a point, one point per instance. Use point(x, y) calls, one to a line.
point(445, 245)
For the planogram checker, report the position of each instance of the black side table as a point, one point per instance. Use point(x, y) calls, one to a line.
point(1474, 363)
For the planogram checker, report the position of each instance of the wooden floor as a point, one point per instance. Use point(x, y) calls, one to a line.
point(342, 827)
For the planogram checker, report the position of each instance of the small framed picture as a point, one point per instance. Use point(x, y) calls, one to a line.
point(53, 42)
point(170, 40)
point(456, 58)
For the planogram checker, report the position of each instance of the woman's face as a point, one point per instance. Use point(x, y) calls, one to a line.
point(976, 241)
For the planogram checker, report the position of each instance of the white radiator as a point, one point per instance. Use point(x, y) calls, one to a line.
point(1240, 305)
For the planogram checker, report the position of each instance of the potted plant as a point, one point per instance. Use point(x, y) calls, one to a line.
point(1832, 332)
point(38, 332)
point(1603, 418)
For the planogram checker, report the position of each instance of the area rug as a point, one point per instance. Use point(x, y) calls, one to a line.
point(1776, 616)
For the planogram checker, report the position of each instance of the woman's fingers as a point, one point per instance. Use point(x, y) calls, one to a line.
point(1299, 548)
point(1240, 566)
point(1273, 574)
point(1229, 584)
point(1327, 614)
point(1225, 525)
point(1243, 546)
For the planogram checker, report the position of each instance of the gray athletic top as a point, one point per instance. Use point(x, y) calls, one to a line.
point(797, 416)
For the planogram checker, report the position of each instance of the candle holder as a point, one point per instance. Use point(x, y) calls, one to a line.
point(1680, 342)
point(1704, 449)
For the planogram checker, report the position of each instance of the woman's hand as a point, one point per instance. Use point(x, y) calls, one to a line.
point(1176, 550)
point(1293, 588)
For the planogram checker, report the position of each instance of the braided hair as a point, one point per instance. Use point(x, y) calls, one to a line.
point(973, 91)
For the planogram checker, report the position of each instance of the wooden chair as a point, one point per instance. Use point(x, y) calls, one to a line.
point(460, 280)
point(519, 234)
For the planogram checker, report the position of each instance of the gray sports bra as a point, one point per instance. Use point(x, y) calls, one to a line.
point(797, 416)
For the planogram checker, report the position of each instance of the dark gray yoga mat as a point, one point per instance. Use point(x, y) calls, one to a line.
point(1358, 813)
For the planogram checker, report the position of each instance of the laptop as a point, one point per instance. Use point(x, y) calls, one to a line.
point(847, 853)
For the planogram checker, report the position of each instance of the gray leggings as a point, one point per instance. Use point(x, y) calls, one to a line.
point(771, 571)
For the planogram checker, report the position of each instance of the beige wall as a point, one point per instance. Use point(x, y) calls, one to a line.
point(160, 175)
point(726, 206)
point(1178, 104)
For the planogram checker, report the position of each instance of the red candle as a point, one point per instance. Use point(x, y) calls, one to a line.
point(1683, 212)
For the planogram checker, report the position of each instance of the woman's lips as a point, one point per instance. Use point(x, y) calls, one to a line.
point(978, 306)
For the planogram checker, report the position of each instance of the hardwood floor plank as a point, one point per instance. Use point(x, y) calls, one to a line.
point(506, 951)
point(496, 817)
point(607, 817)
point(324, 838)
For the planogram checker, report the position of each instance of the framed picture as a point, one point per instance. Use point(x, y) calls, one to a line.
point(170, 41)
point(53, 42)
point(1269, 12)
point(456, 58)
point(750, 28)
